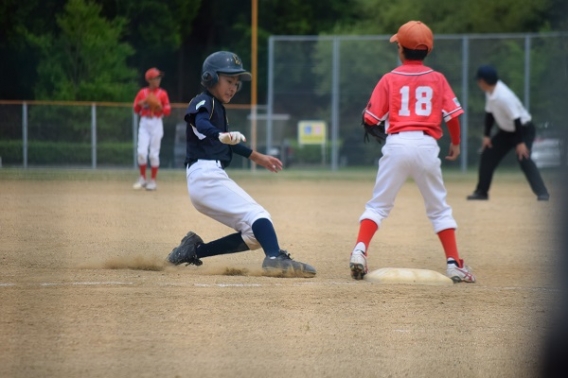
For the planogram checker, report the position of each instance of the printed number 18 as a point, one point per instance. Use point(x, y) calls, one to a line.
point(423, 96)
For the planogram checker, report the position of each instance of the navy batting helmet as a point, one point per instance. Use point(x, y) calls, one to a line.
point(222, 62)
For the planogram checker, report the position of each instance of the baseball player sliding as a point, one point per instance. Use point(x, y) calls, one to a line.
point(412, 100)
point(210, 147)
point(151, 103)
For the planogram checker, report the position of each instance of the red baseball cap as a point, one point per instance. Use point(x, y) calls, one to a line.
point(414, 35)
point(153, 73)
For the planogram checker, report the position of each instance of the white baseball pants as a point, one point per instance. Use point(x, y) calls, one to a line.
point(216, 195)
point(410, 154)
point(150, 133)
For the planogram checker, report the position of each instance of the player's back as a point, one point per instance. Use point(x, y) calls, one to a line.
point(413, 97)
point(416, 96)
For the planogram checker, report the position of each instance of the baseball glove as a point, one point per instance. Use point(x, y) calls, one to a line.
point(153, 102)
point(375, 131)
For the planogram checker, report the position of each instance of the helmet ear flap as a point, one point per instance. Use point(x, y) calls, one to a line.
point(209, 79)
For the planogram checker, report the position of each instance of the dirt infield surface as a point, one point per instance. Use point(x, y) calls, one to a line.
point(84, 291)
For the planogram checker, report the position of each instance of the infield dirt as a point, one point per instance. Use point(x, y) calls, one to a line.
point(84, 291)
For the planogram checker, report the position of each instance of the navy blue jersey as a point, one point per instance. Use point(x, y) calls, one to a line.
point(206, 118)
point(203, 143)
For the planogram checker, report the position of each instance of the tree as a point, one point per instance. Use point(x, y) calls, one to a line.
point(159, 32)
point(18, 57)
point(447, 17)
point(176, 35)
point(85, 60)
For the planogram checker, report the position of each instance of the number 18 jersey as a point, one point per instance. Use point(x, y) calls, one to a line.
point(413, 97)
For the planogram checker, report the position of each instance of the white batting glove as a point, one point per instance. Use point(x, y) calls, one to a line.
point(233, 137)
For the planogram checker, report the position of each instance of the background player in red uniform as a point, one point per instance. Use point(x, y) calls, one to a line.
point(151, 103)
point(412, 100)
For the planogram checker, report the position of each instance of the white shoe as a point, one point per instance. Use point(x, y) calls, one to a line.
point(358, 264)
point(140, 183)
point(458, 274)
point(151, 185)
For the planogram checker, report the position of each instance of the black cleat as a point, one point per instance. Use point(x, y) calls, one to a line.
point(185, 252)
point(478, 196)
point(282, 264)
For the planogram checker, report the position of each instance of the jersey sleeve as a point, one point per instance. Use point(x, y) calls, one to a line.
point(455, 131)
point(203, 125)
point(198, 103)
point(242, 150)
point(139, 97)
point(451, 107)
point(378, 105)
point(488, 108)
point(165, 100)
point(197, 115)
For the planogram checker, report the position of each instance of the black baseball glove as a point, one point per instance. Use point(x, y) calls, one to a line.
point(375, 131)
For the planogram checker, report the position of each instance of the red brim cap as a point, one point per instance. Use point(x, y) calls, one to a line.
point(414, 35)
point(153, 73)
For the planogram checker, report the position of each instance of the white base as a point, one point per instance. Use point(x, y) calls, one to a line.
point(408, 276)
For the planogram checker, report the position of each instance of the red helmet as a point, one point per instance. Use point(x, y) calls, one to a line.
point(153, 73)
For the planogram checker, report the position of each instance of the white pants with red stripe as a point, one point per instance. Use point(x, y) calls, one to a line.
point(150, 133)
point(410, 154)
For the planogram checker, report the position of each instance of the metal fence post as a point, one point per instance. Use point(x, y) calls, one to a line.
point(464, 101)
point(334, 103)
point(527, 86)
point(135, 137)
point(270, 94)
point(94, 135)
point(25, 134)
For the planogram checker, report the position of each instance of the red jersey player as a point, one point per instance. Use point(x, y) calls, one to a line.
point(412, 100)
point(151, 128)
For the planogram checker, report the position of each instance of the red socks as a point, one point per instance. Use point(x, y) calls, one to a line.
point(154, 171)
point(367, 229)
point(448, 239)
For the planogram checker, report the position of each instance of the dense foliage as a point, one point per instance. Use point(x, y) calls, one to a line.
point(98, 50)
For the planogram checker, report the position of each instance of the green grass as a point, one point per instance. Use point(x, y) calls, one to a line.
point(69, 174)
point(122, 174)
point(297, 174)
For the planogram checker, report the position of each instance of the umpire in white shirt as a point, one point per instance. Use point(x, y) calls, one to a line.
point(515, 131)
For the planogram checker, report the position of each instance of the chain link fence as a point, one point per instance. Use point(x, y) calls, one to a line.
point(95, 135)
point(310, 78)
point(330, 78)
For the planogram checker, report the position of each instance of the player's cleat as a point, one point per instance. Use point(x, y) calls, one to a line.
point(140, 183)
point(151, 185)
point(543, 197)
point(358, 264)
point(477, 196)
point(284, 264)
point(186, 251)
point(458, 274)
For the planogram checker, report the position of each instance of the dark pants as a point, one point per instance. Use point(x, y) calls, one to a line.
point(503, 142)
